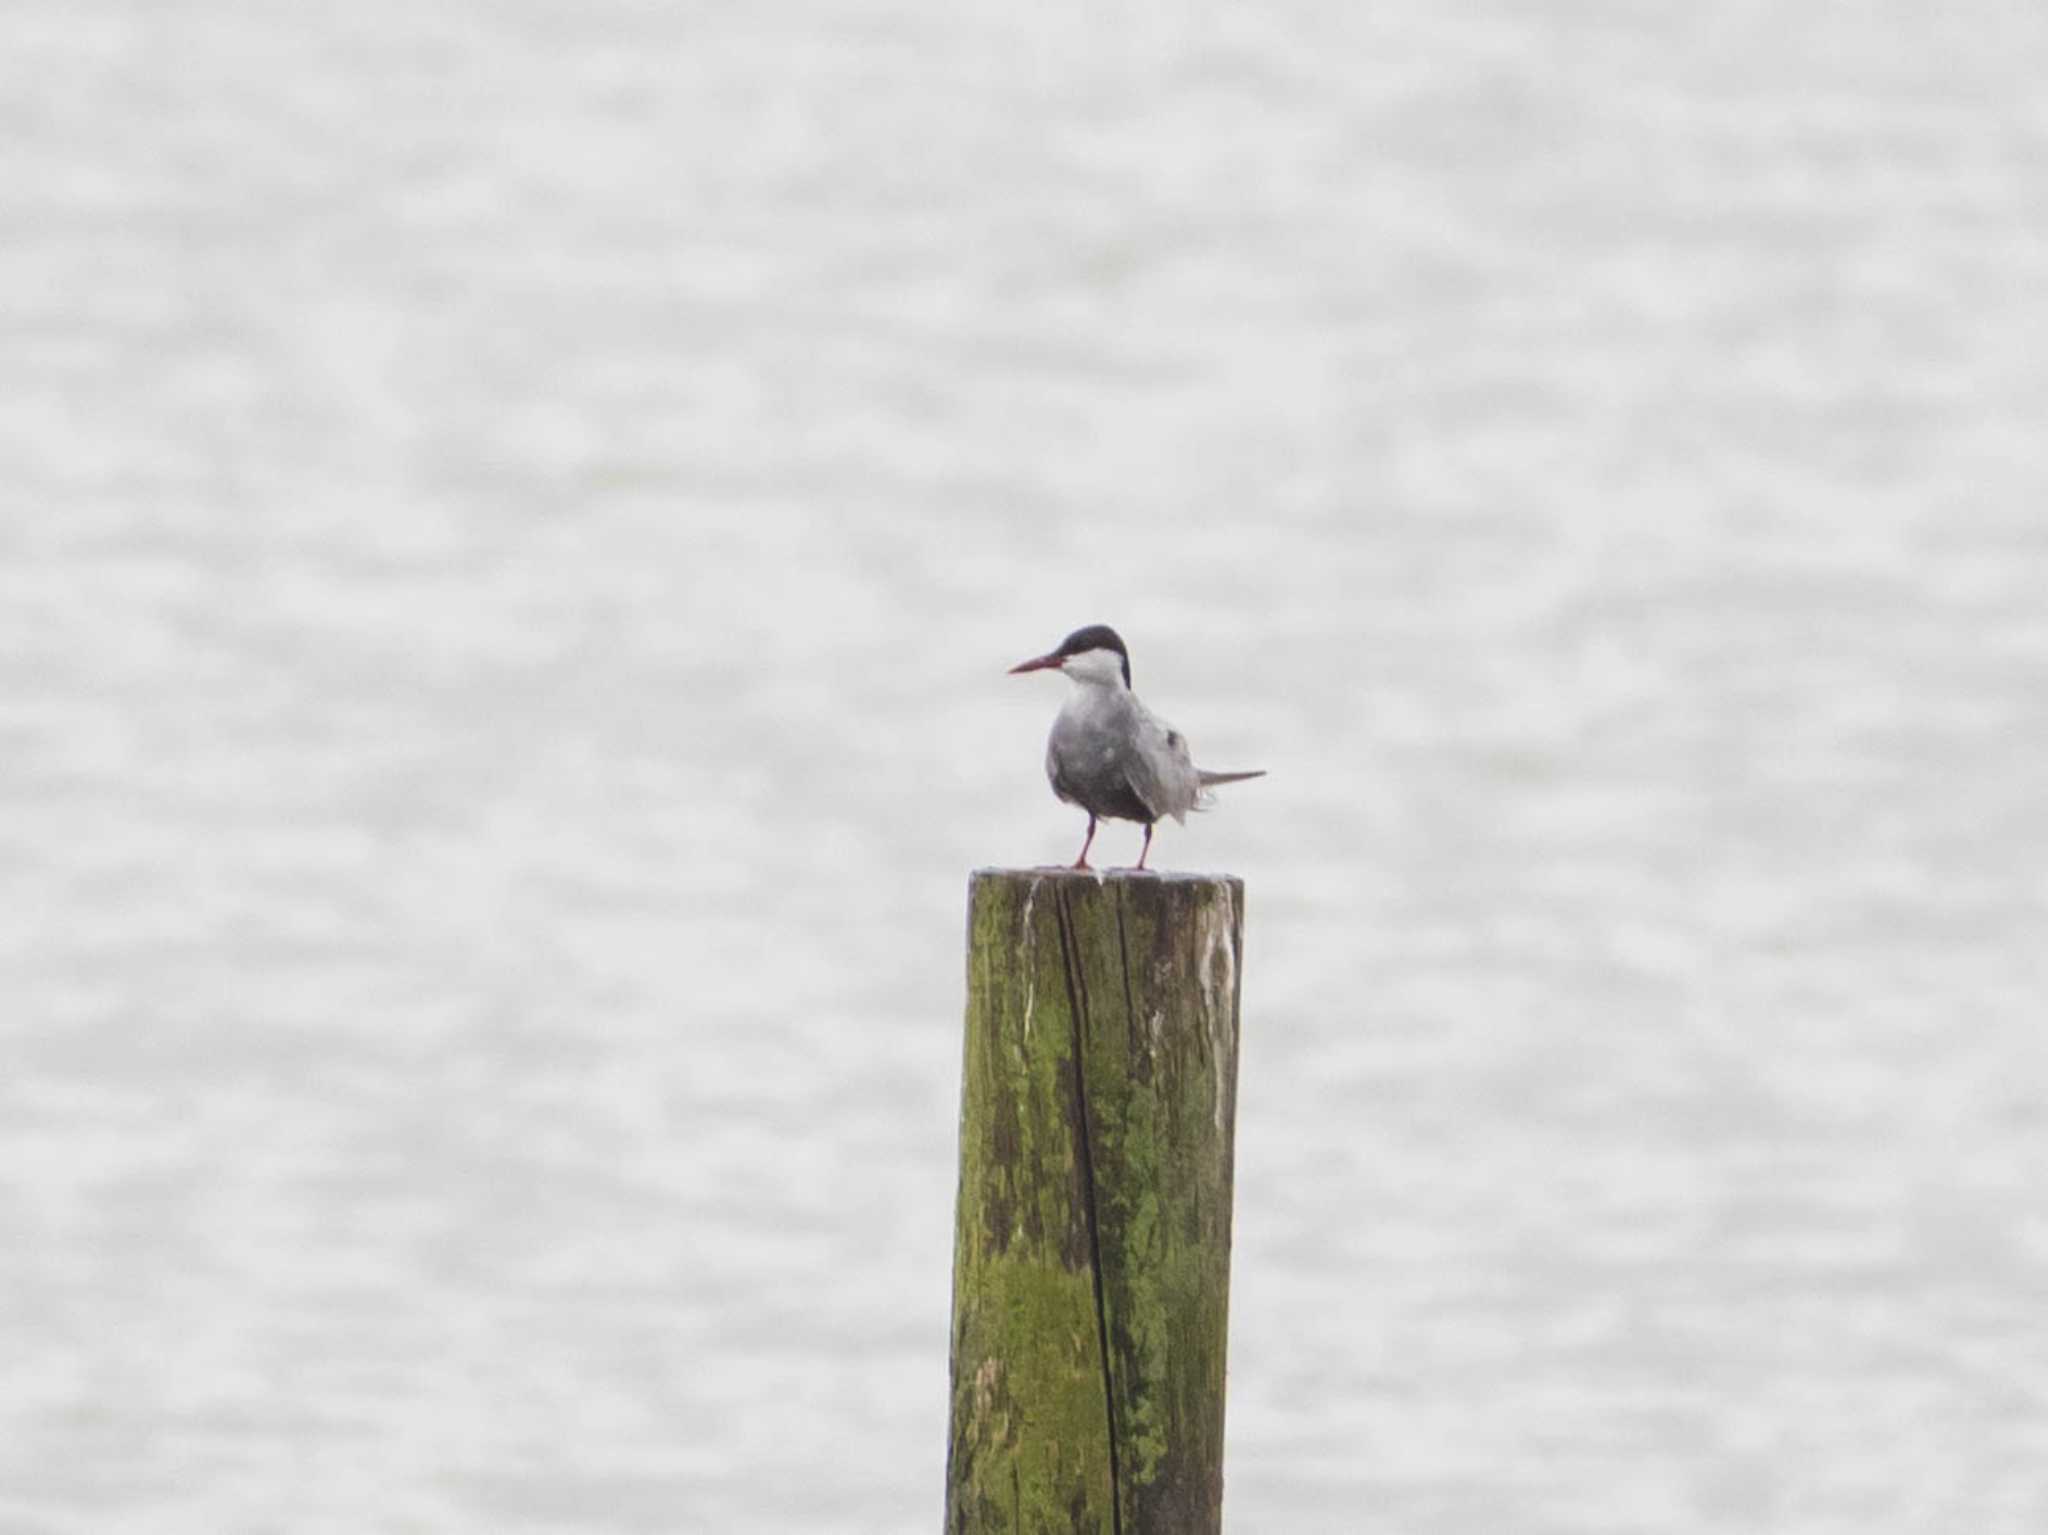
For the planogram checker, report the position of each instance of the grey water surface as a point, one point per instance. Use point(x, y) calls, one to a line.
point(515, 517)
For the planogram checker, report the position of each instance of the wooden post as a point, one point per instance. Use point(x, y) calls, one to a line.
point(1091, 1267)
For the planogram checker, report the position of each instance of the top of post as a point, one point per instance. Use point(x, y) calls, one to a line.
point(1063, 872)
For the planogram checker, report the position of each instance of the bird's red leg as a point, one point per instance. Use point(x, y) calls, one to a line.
point(1082, 861)
point(1147, 847)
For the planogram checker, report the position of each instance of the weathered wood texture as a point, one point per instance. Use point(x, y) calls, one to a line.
point(1091, 1268)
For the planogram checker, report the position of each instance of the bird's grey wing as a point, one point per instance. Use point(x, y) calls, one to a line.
point(1161, 770)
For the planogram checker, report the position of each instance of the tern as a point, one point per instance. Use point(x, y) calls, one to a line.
point(1110, 754)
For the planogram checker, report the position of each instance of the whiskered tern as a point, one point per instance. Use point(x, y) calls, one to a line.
point(1110, 754)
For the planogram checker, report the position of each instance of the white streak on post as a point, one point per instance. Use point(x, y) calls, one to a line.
point(1219, 923)
point(1030, 965)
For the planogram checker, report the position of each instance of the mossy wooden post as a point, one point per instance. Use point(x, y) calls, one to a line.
point(1091, 1267)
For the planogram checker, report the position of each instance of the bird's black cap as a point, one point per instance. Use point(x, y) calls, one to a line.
point(1096, 637)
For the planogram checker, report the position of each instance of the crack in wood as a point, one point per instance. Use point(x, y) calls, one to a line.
point(1123, 949)
point(1077, 1007)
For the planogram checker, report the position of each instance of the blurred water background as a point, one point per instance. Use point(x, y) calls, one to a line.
point(515, 518)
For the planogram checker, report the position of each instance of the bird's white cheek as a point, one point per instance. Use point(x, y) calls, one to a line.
point(1100, 666)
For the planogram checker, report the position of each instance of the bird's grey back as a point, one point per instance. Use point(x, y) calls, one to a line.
point(1110, 755)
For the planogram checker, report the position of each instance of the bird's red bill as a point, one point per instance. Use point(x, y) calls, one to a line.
point(1037, 664)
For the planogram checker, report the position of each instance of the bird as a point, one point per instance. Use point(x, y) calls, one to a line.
point(1108, 753)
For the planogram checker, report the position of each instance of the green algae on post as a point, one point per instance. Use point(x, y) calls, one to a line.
point(1091, 1270)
